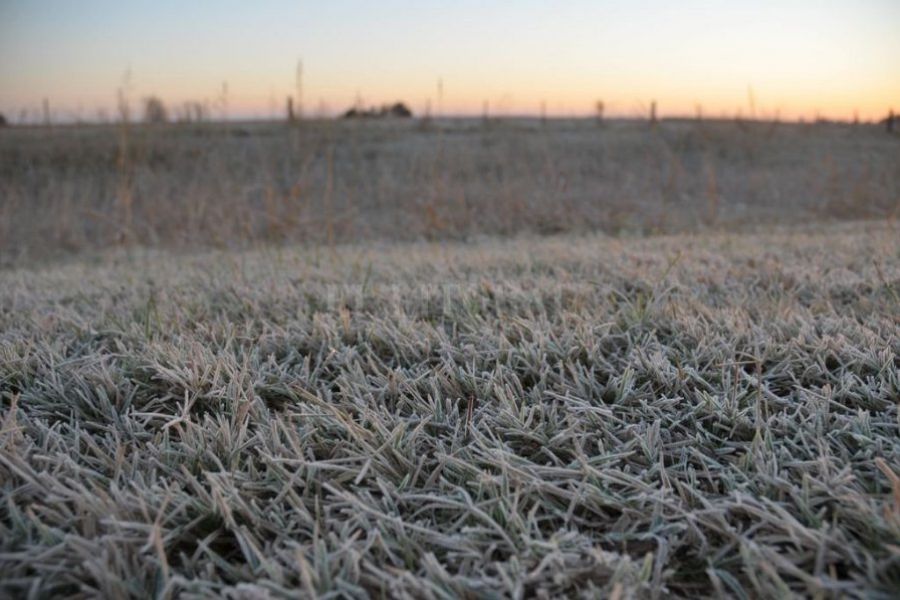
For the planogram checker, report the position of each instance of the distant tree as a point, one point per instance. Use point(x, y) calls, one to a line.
point(155, 111)
point(3, 121)
point(397, 110)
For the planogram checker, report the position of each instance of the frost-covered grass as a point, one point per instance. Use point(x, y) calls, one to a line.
point(682, 416)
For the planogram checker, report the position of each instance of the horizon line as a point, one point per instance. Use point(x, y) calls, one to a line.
point(417, 118)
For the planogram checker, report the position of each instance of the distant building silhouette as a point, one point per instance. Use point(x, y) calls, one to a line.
point(397, 110)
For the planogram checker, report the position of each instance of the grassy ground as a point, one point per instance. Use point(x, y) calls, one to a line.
point(582, 415)
point(230, 186)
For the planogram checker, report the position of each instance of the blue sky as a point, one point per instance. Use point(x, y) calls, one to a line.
point(799, 57)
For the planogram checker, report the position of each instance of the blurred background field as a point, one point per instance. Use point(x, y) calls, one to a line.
point(76, 188)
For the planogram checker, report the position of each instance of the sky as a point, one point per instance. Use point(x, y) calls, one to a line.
point(791, 58)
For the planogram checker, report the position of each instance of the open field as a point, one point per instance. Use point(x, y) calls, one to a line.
point(227, 186)
point(673, 416)
point(462, 358)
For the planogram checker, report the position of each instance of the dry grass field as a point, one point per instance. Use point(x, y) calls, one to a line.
point(188, 186)
point(464, 360)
